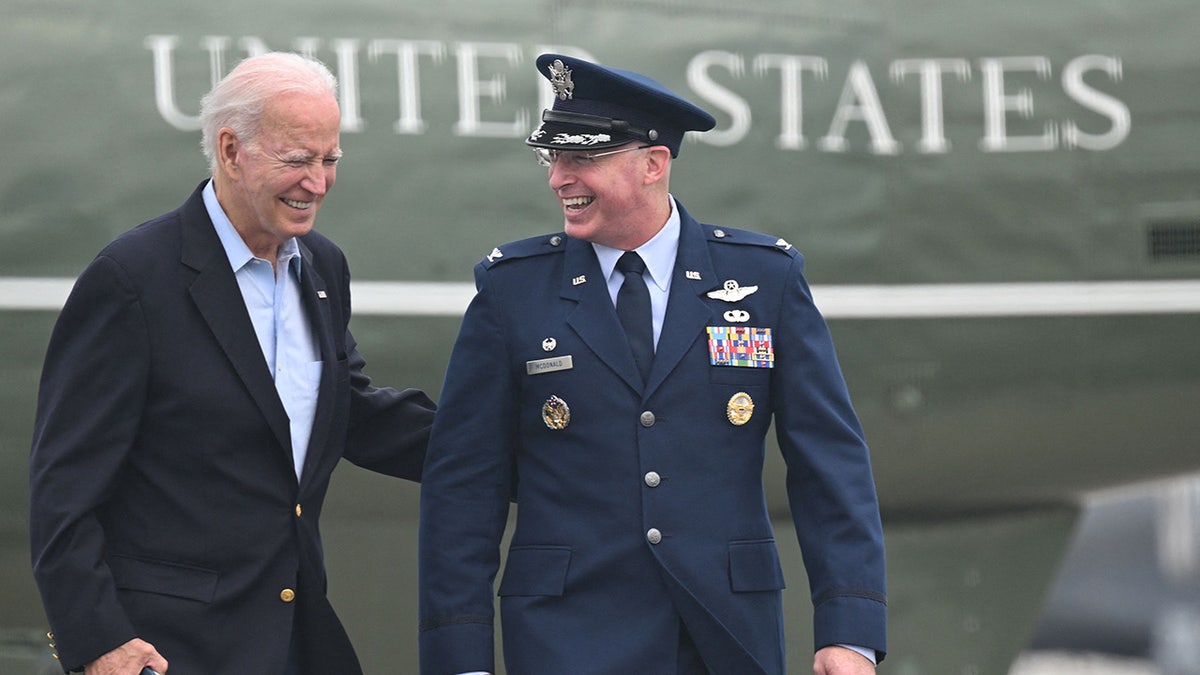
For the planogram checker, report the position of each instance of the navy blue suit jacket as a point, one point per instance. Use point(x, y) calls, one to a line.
point(587, 586)
point(165, 504)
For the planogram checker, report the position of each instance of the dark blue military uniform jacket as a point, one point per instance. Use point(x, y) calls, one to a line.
point(641, 506)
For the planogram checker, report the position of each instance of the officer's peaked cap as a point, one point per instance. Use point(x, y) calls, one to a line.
point(600, 107)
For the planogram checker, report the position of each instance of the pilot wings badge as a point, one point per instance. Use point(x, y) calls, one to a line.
point(732, 292)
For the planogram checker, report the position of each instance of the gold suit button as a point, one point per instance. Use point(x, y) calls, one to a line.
point(298, 511)
point(287, 595)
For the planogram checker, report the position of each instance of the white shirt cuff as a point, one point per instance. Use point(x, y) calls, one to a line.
point(869, 653)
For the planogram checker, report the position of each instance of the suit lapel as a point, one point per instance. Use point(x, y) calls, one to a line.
point(316, 310)
point(219, 300)
point(687, 314)
point(594, 318)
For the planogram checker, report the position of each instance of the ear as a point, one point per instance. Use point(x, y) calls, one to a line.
point(230, 152)
point(658, 164)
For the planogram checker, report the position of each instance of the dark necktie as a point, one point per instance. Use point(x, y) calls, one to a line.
point(633, 309)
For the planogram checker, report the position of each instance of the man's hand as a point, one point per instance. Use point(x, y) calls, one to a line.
point(128, 659)
point(841, 661)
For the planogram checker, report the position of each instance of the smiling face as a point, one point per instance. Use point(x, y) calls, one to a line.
point(617, 200)
point(272, 186)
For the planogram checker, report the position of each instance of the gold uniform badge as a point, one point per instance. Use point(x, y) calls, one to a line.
point(556, 413)
point(740, 408)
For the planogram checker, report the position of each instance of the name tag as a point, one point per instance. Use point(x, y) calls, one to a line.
point(549, 365)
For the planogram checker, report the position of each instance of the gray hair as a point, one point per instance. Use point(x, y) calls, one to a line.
point(240, 97)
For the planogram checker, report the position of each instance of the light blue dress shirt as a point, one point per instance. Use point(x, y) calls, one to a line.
point(272, 297)
point(659, 256)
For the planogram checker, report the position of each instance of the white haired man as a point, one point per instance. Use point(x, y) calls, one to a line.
point(199, 388)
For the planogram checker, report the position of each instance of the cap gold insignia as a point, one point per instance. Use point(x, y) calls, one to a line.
point(740, 408)
point(732, 291)
point(556, 413)
point(560, 80)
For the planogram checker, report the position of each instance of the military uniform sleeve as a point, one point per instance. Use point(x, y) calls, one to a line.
point(830, 486)
point(465, 495)
point(90, 402)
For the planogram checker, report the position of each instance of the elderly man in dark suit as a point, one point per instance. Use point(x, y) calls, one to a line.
point(617, 380)
point(200, 386)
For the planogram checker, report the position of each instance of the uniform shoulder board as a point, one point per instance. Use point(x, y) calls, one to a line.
point(732, 235)
point(540, 245)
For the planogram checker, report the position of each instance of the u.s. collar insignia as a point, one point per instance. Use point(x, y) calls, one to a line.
point(732, 292)
point(740, 408)
point(560, 80)
point(556, 413)
point(491, 257)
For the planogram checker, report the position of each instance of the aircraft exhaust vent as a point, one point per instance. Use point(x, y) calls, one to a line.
point(1174, 241)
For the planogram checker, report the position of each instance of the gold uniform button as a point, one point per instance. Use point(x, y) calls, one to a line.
point(298, 511)
point(287, 595)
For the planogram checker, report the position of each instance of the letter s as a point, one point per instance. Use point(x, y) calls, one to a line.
point(1097, 101)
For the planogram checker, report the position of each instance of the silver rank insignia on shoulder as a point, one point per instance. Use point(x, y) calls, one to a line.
point(581, 279)
point(491, 257)
point(732, 292)
point(556, 413)
point(740, 408)
point(692, 274)
point(549, 344)
point(782, 243)
point(737, 316)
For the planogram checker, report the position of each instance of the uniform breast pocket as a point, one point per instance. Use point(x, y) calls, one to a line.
point(741, 376)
